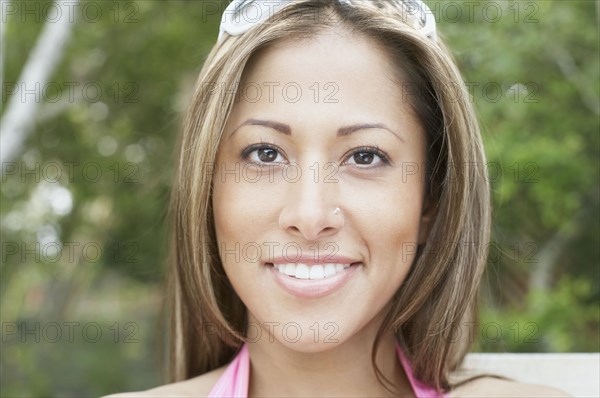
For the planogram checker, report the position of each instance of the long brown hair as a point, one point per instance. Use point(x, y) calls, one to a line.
point(438, 296)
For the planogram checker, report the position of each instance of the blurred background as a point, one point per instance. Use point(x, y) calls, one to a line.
point(92, 98)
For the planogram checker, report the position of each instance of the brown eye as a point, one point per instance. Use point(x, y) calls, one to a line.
point(367, 157)
point(262, 154)
point(364, 157)
point(267, 154)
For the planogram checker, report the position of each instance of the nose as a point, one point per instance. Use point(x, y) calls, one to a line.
point(309, 211)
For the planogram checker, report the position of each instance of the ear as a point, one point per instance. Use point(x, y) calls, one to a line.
point(428, 213)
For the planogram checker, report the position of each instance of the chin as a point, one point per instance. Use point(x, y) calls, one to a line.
point(311, 331)
point(308, 344)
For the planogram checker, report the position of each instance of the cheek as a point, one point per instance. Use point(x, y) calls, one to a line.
point(393, 247)
point(237, 206)
point(242, 217)
point(226, 208)
point(389, 228)
point(233, 233)
point(388, 208)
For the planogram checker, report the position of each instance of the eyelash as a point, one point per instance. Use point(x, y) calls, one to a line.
point(245, 155)
point(375, 150)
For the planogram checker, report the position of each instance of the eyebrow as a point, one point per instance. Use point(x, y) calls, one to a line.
point(342, 131)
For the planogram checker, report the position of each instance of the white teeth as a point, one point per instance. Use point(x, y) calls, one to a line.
point(290, 269)
point(302, 271)
point(317, 271)
point(329, 270)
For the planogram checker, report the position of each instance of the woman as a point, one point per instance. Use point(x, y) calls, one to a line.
point(331, 210)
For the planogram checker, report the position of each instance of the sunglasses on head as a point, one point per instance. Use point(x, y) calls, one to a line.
point(241, 15)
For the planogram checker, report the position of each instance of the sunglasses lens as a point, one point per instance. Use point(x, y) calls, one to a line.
point(240, 5)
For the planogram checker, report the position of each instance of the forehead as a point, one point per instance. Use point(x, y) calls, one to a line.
point(334, 55)
point(333, 77)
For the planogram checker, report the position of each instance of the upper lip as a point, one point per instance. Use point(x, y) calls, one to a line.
point(321, 258)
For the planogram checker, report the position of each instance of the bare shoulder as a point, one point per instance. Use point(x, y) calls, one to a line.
point(198, 386)
point(493, 387)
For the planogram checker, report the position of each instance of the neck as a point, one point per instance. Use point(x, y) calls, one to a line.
point(343, 370)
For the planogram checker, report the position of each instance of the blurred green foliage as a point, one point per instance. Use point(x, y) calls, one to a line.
point(533, 71)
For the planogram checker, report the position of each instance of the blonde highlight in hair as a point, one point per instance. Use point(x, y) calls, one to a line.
point(440, 291)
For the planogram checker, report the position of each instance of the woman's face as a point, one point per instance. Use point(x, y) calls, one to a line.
point(320, 124)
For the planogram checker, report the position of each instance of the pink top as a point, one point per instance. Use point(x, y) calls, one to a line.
point(234, 381)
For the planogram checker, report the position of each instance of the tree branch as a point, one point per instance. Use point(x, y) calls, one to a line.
point(569, 69)
point(18, 120)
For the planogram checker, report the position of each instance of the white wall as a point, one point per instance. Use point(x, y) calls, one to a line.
point(575, 373)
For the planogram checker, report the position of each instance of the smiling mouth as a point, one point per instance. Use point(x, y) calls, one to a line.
point(312, 272)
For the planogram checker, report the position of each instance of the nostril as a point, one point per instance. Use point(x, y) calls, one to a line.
point(311, 222)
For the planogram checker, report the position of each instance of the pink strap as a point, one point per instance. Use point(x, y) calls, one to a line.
point(235, 380)
point(420, 389)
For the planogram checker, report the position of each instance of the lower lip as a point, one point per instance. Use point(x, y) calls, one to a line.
point(313, 288)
